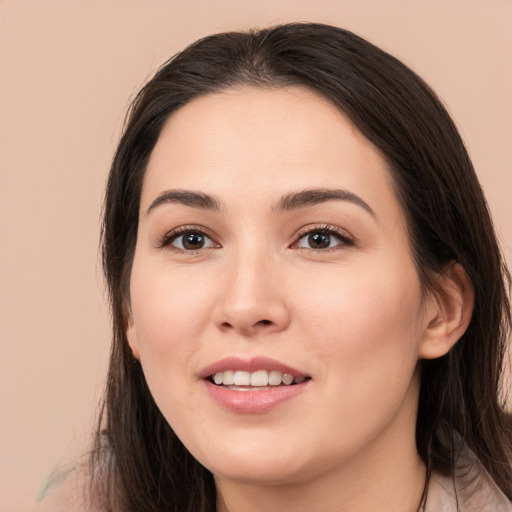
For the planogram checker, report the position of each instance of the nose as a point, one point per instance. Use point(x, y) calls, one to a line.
point(253, 299)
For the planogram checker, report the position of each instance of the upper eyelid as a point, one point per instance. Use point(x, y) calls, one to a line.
point(174, 233)
point(190, 227)
point(345, 239)
point(343, 233)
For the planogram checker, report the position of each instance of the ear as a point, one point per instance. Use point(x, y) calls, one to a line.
point(448, 312)
point(131, 334)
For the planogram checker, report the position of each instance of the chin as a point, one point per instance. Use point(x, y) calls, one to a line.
point(254, 464)
point(262, 473)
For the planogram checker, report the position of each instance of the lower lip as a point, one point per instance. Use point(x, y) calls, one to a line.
point(253, 401)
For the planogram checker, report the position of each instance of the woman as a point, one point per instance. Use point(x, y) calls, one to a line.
point(310, 307)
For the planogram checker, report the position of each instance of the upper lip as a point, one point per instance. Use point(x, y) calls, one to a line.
point(251, 364)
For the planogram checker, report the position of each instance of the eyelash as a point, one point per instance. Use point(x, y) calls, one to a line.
point(344, 239)
point(173, 235)
point(341, 236)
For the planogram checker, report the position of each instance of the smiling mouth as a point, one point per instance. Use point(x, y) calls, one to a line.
point(238, 380)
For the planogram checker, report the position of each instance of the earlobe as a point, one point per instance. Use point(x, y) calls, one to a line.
point(448, 312)
point(131, 335)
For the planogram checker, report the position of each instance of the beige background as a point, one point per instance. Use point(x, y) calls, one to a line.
point(68, 69)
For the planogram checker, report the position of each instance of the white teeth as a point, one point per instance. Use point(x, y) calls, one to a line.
point(242, 379)
point(287, 379)
point(275, 378)
point(229, 378)
point(260, 378)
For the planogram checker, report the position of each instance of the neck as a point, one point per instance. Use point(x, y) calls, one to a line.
point(398, 488)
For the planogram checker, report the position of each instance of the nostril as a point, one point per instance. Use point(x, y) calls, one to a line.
point(265, 322)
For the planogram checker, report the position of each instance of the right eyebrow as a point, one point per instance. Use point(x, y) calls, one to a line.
point(187, 198)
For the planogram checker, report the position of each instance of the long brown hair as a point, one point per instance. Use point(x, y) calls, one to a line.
point(139, 463)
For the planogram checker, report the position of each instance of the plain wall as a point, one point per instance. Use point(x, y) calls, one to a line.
point(68, 69)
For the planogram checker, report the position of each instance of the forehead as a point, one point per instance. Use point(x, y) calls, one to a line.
point(259, 143)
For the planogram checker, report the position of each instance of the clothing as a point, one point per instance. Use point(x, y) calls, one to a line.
point(470, 490)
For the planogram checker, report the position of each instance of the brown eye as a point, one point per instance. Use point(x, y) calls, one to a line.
point(191, 240)
point(322, 239)
point(319, 240)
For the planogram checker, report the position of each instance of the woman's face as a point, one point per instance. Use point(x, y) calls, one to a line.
point(271, 245)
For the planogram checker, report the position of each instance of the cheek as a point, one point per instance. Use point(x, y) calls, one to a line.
point(367, 325)
point(167, 306)
point(168, 320)
point(364, 342)
point(170, 311)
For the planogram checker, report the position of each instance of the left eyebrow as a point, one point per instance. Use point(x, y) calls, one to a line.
point(310, 197)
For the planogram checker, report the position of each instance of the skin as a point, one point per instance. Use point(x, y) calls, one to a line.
point(353, 316)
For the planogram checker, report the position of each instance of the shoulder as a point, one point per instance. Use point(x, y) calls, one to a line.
point(66, 489)
point(470, 490)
